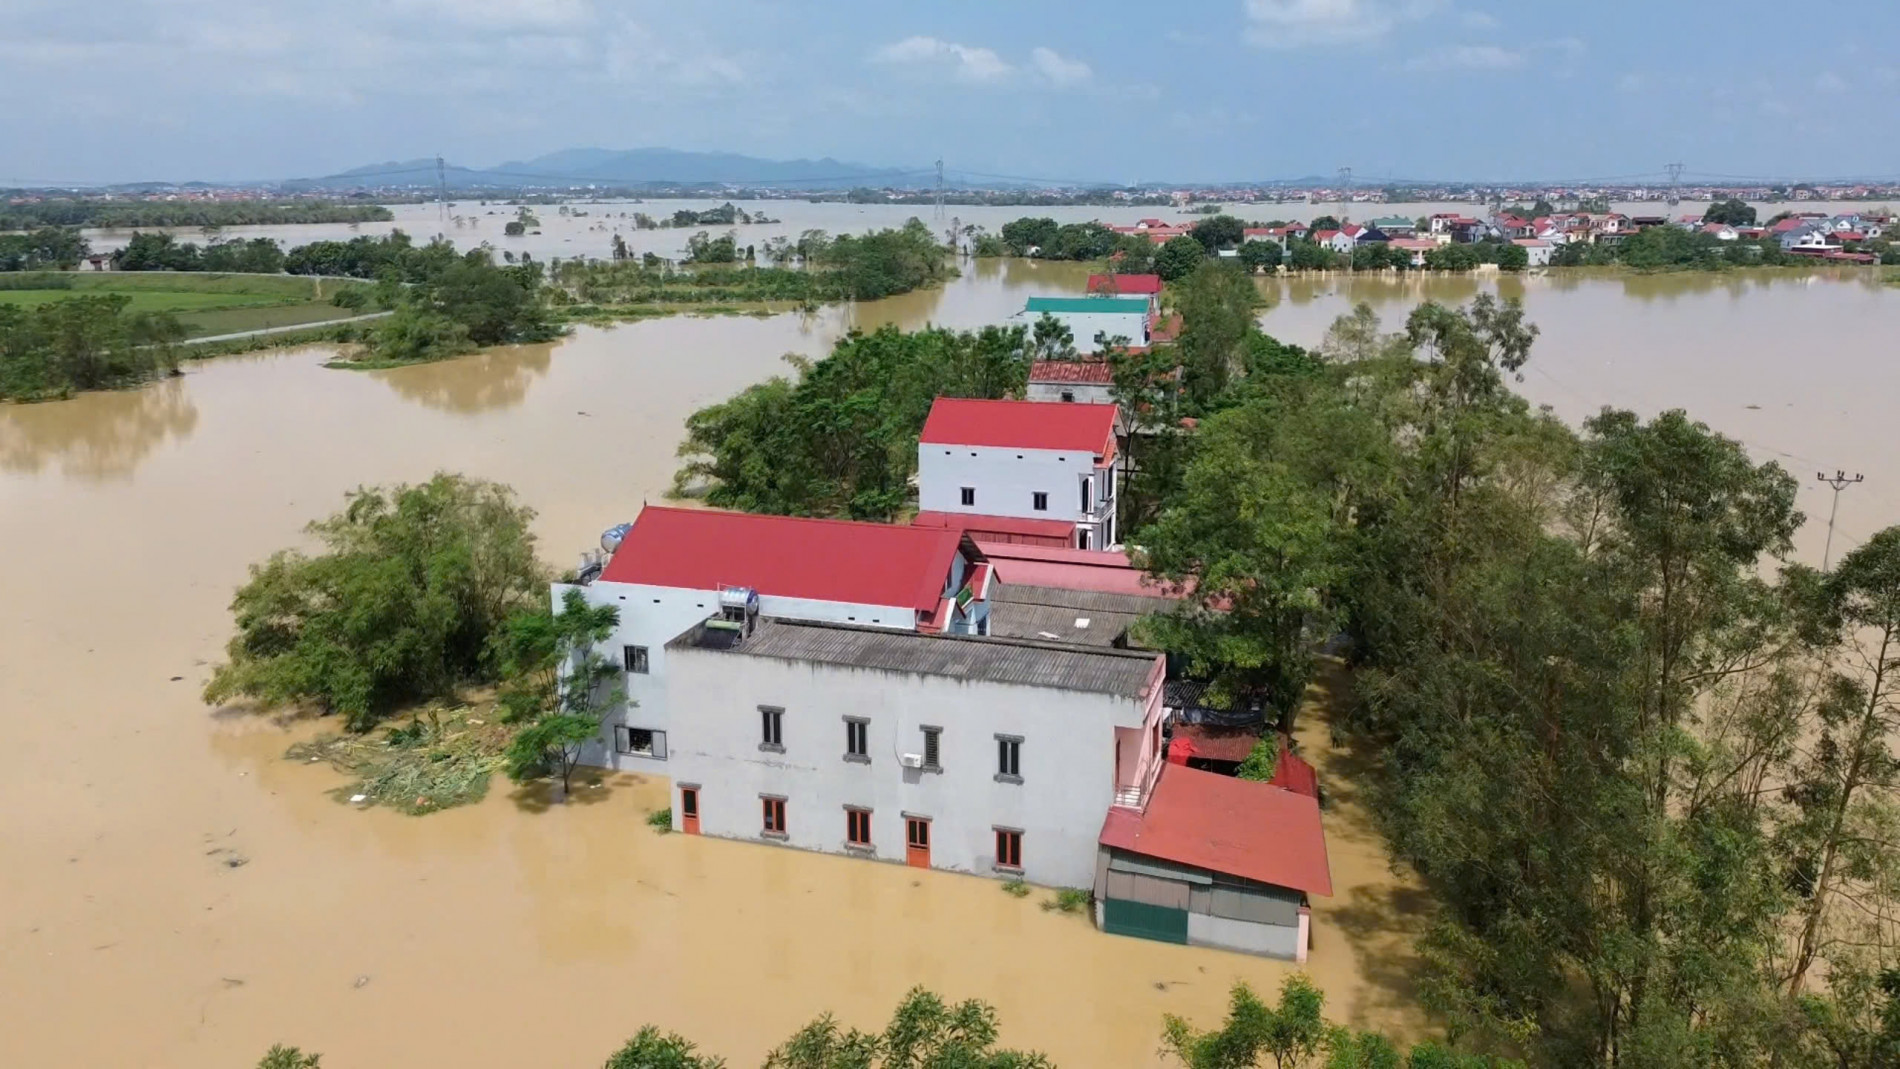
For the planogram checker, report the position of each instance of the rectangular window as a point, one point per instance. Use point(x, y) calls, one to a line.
point(857, 827)
point(635, 658)
point(689, 801)
point(774, 816)
point(771, 728)
point(1081, 538)
point(1009, 849)
point(969, 496)
point(857, 741)
point(1039, 501)
point(1068, 396)
point(931, 736)
point(1009, 751)
point(1087, 485)
point(640, 742)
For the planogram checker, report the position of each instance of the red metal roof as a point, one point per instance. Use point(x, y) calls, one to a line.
point(1008, 529)
point(1232, 826)
point(1072, 569)
point(1021, 425)
point(1094, 372)
point(1133, 284)
point(1206, 741)
point(786, 556)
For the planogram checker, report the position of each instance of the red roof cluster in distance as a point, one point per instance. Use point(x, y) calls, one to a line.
point(786, 556)
point(1021, 425)
point(1223, 824)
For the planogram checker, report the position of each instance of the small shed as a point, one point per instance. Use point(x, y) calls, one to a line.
point(1214, 861)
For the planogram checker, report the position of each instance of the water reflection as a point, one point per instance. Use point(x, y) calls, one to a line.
point(97, 436)
point(497, 378)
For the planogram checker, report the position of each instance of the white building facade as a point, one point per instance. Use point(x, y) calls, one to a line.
point(988, 756)
point(1025, 459)
point(1090, 317)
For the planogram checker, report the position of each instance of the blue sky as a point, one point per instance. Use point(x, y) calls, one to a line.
point(115, 90)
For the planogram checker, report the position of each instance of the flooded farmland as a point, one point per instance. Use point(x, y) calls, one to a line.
point(174, 893)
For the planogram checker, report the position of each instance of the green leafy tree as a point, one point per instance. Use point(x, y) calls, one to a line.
point(1733, 211)
point(925, 1033)
point(1260, 255)
point(841, 440)
point(1051, 340)
point(1022, 235)
point(282, 1057)
point(1845, 783)
point(54, 247)
point(1325, 222)
point(1178, 258)
point(1134, 255)
point(399, 607)
point(1262, 761)
point(82, 343)
point(557, 687)
point(1219, 232)
point(652, 1049)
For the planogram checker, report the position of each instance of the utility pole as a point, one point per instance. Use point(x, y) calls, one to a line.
point(1840, 480)
point(937, 216)
point(1675, 183)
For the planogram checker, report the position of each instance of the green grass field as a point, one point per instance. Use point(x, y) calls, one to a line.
point(206, 304)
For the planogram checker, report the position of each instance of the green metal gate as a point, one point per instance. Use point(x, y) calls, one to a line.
point(1144, 921)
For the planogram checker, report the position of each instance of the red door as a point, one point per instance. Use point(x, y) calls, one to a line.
point(689, 810)
point(917, 842)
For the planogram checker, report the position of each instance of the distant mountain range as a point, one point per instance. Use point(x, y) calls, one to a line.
point(630, 167)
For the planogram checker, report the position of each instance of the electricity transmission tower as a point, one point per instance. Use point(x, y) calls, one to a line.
point(1345, 182)
point(937, 215)
point(1675, 183)
point(442, 195)
point(1840, 480)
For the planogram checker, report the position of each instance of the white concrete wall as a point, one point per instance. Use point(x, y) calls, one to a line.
point(652, 616)
point(1006, 481)
point(1086, 393)
point(1084, 326)
point(1067, 760)
point(1272, 940)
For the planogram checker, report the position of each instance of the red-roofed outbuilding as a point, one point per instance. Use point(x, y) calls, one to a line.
point(1127, 285)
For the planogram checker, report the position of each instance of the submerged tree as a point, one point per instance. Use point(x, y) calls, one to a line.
point(399, 607)
point(557, 687)
point(282, 1057)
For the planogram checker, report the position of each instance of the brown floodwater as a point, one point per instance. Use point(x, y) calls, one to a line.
point(511, 934)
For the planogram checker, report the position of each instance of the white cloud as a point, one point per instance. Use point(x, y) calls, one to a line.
point(1467, 58)
point(970, 64)
point(1829, 82)
point(1058, 69)
point(1297, 23)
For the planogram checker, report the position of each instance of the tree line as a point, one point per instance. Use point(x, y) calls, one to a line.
point(119, 215)
point(61, 347)
point(815, 268)
point(927, 1032)
point(1642, 759)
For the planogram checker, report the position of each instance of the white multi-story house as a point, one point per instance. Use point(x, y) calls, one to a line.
point(1088, 318)
point(983, 755)
point(673, 568)
point(1036, 461)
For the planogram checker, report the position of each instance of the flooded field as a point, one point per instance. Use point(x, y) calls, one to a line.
point(173, 893)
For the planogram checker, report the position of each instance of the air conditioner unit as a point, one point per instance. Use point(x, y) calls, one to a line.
point(911, 760)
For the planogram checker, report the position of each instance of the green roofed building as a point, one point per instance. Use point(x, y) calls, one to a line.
point(1397, 226)
point(1090, 318)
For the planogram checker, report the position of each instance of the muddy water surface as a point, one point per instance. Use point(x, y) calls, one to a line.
point(173, 893)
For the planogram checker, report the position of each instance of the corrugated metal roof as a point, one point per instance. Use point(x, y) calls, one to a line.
point(1093, 305)
point(1055, 614)
point(1021, 425)
point(1120, 673)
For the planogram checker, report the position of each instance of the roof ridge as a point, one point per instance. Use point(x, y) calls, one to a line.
point(832, 520)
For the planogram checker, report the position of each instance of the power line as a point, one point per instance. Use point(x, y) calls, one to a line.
point(1840, 480)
